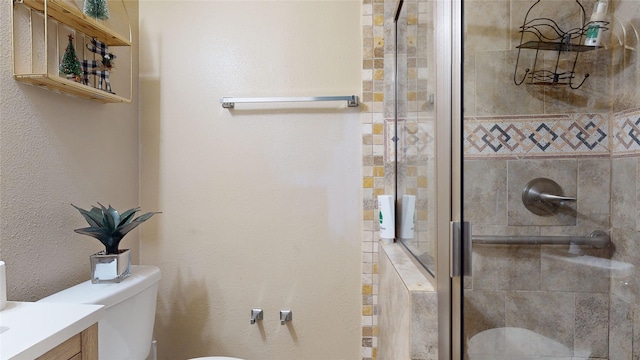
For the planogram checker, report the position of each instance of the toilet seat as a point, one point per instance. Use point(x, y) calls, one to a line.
point(508, 343)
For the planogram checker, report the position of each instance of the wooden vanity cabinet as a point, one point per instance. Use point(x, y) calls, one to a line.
point(82, 346)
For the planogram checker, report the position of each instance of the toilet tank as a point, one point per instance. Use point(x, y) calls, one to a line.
point(126, 331)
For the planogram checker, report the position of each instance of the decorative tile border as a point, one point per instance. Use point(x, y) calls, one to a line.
point(416, 139)
point(373, 164)
point(377, 146)
point(416, 150)
point(625, 133)
point(537, 136)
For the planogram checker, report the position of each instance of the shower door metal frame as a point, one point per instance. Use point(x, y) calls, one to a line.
point(448, 41)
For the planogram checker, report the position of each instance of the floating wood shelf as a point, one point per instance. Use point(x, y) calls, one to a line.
point(37, 47)
point(57, 83)
point(70, 15)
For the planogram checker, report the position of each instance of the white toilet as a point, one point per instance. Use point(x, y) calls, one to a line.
point(508, 343)
point(126, 330)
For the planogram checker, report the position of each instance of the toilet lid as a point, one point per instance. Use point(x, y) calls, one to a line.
point(508, 343)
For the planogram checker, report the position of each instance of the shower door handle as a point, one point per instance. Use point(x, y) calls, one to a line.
point(460, 247)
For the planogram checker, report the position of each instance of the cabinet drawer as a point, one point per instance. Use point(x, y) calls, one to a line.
point(66, 350)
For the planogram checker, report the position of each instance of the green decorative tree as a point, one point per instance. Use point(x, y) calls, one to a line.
point(70, 65)
point(97, 9)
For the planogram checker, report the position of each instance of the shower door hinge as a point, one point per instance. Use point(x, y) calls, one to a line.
point(460, 249)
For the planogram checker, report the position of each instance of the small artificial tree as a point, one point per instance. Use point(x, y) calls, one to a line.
point(97, 9)
point(70, 65)
point(109, 226)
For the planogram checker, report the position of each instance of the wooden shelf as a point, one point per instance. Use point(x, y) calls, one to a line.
point(69, 14)
point(57, 83)
point(43, 71)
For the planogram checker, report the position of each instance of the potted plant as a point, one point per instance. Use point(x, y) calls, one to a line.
point(109, 227)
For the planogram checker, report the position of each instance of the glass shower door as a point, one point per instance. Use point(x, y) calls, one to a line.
point(536, 189)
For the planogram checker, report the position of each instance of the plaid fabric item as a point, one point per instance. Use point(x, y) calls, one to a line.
point(90, 67)
point(93, 67)
point(101, 49)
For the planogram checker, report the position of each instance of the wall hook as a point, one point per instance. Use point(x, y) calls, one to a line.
point(256, 314)
point(285, 315)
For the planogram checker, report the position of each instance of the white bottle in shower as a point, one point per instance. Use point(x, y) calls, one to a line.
point(598, 24)
point(386, 217)
point(408, 217)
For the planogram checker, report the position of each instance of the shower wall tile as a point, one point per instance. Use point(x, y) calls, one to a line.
point(408, 303)
point(636, 332)
point(594, 96)
point(594, 182)
point(496, 93)
point(592, 325)
point(499, 267)
point(416, 171)
point(519, 9)
point(519, 173)
point(501, 230)
point(620, 329)
point(625, 70)
point(566, 14)
point(550, 314)
point(487, 26)
point(624, 193)
point(424, 325)
point(484, 310)
point(388, 89)
point(625, 65)
point(625, 283)
point(394, 315)
point(562, 271)
point(485, 193)
point(469, 88)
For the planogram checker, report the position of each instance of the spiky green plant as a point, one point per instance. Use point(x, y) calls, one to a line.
point(109, 226)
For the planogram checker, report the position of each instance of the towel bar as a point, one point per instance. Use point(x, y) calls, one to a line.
point(229, 102)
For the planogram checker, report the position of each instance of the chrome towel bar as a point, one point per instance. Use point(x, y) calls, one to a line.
point(597, 239)
point(229, 102)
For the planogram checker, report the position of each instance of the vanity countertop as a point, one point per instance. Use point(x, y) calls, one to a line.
point(30, 329)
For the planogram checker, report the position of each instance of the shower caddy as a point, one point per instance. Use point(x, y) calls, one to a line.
point(40, 27)
point(550, 37)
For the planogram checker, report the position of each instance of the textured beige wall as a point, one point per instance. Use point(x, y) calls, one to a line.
point(261, 204)
point(55, 150)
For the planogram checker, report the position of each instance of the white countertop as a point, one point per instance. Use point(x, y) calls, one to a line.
point(30, 329)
